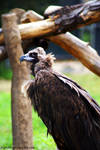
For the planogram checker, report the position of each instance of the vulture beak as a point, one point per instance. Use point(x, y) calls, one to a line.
point(26, 57)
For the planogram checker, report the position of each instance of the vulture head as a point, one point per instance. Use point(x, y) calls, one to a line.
point(38, 59)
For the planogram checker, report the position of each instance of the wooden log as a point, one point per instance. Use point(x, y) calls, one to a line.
point(19, 13)
point(50, 9)
point(21, 106)
point(80, 50)
point(34, 29)
point(72, 17)
point(76, 16)
point(31, 16)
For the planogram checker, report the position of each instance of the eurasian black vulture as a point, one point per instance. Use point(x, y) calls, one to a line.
point(70, 114)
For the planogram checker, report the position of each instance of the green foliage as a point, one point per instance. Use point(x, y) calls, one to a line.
point(5, 72)
point(5, 120)
point(86, 36)
point(41, 142)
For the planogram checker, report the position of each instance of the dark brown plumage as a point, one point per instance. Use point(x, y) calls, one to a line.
point(70, 114)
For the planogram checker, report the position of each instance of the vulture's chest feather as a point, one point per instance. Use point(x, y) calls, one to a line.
point(51, 94)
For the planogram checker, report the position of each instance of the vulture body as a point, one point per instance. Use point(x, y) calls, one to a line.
point(70, 114)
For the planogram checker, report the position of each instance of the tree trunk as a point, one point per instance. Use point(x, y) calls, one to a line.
point(21, 106)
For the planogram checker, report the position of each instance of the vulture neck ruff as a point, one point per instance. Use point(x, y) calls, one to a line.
point(43, 64)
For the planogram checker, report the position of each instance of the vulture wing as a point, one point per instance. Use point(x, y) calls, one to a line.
point(91, 123)
point(90, 102)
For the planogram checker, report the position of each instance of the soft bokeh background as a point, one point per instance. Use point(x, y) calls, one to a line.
point(65, 63)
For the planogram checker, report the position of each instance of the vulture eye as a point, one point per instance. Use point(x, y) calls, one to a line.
point(33, 55)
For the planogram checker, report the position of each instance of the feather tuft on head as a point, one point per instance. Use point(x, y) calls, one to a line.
point(49, 60)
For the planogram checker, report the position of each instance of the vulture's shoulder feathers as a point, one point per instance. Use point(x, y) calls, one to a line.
point(79, 91)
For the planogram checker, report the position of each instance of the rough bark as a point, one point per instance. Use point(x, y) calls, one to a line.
point(72, 17)
point(19, 13)
point(21, 106)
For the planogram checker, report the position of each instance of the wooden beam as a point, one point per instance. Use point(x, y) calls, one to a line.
point(34, 29)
